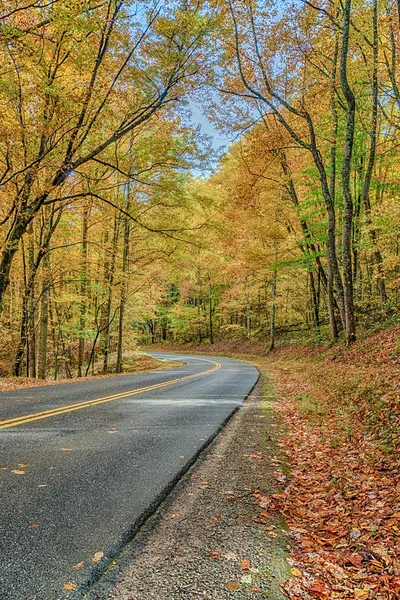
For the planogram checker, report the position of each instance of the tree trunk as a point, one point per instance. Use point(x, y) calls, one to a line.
point(83, 291)
point(381, 283)
point(273, 312)
point(350, 324)
point(109, 267)
point(44, 319)
point(210, 311)
point(124, 287)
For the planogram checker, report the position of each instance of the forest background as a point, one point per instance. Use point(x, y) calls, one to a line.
point(110, 237)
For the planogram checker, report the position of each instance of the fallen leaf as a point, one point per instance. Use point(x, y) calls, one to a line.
point(361, 593)
point(354, 559)
point(244, 564)
point(230, 556)
point(69, 586)
point(33, 526)
point(67, 449)
point(17, 472)
point(233, 586)
point(381, 552)
point(43, 485)
point(78, 565)
point(264, 502)
point(214, 554)
point(246, 579)
point(320, 590)
point(295, 572)
point(97, 557)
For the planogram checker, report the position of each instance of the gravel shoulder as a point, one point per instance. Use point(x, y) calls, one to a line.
point(215, 537)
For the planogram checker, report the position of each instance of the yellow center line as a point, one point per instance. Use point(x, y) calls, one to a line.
point(88, 403)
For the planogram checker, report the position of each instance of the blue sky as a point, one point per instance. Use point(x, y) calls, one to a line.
point(198, 117)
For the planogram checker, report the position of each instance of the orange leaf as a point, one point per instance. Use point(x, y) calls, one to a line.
point(320, 590)
point(69, 586)
point(244, 564)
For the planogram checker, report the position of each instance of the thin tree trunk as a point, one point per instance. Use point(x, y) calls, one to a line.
point(109, 267)
point(199, 334)
point(314, 300)
point(83, 291)
point(124, 287)
point(44, 318)
point(210, 310)
point(350, 324)
point(273, 312)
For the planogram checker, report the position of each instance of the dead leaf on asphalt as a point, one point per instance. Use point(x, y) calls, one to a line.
point(233, 586)
point(18, 472)
point(33, 526)
point(78, 565)
point(97, 557)
point(69, 586)
point(244, 564)
point(230, 556)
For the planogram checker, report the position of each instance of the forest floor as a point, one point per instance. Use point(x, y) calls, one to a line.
point(340, 410)
point(134, 362)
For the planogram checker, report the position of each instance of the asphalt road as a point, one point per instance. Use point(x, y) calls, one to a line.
point(82, 464)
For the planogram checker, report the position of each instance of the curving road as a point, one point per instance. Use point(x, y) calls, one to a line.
point(83, 464)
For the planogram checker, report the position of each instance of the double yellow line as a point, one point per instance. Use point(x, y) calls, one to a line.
point(79, 405)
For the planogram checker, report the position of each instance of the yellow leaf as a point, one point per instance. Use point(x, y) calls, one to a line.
point(295, 572)
point(361, 594)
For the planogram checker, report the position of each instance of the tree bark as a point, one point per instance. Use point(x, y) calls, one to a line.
point(44, 318)
point(124, 286)
point(273, 312)
point(109, 270)
point(83, 291)
point(350, 324)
